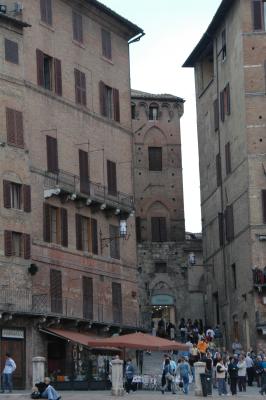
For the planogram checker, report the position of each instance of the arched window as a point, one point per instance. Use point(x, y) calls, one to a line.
point(153, 112)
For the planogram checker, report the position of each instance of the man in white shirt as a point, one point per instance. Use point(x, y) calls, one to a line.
point(7, 373)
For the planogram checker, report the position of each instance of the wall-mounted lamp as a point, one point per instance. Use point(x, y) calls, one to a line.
point(105, 241)
point(103, 207)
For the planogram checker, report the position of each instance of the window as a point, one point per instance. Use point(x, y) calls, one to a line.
point(11, 51)
point(77, 27)
point(153, 112)
point(56, 291)
point(117, 302)
point(46, 11)
point(216, 114)
point(84, 172)
point(259, 15)
point(228, 158)
point(234, 279)
point(114, 241)
point(229, 223)
point(221, 228)
point(49, 72)
point(158, 229)
point(80, 87)
point(52, 154)
point(86, 234)
point(263, 193)
point(138, 230)
point(14, 127)
point(55, 225)
point(160, 267)
point(111, 178)
point(225, 104)
point(109, 102)
point(17, 196)
point(155, 158)
point(87, 285)
point(17, 244)
point(106, 44)
point(133, 111)
point(218, 170)
point(223, 45)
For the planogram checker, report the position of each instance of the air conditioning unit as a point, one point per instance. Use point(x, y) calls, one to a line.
point(18, 7)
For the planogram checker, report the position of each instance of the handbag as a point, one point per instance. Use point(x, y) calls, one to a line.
point(169, 376)
point(35, 395)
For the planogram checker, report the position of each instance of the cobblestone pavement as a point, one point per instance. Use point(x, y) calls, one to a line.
point(251, 394)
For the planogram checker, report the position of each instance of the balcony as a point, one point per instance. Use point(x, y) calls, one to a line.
point(94, 194)
point(22, 301)
point(259, 278)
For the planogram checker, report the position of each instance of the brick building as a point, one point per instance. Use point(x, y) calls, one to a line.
point(229, 63)
point(66, 192)
point(168, 288)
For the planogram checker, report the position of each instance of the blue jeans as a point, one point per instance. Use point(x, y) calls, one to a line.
point(185, 379)
point(221, 386)
point(50, 393)
point(7, 382)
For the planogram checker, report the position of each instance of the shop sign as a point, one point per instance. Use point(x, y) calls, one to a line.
point(13, 333)
point(162, 300)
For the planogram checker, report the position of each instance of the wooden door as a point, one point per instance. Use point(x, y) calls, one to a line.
point(17, 350)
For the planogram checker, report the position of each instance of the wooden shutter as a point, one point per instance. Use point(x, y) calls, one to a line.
point(40, 67)
point(77, 86)
point(114, 241)
point(111, 178)
point(102, 96)
point(216, 114)
point(218, 170)
point(228, 100)
point(257, 14)
point(84, 172)
point(87, 285)
point(46, 223)
point(11, 51)
point(7, 194)
point(79, 232)
point(80, 87)
point(64, 227)
point(222, 105)
point(27, 246)
point(56, 291)
point(138, 229)
point(221, 228)
point(94, 236)
point(106, 44)
point(229, 223)
point(10, 126)
point(58, 76)
point(117, 302)
point(116, 105)
point(155, 158)
point(227, 158)
point(77, 27)
point(8, 243)
point(52, 154)
point(263, 193)
point(46, 11)
point(19, 129)
point(26, 198)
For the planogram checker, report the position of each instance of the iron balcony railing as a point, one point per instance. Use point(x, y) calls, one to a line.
point(23, 301)
point(96, 192)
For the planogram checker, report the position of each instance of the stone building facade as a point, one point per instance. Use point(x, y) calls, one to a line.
point(229, 64)
point(168, 288)
point(66, 192)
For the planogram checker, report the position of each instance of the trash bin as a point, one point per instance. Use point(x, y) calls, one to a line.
point(209, 384)
point(206, 384)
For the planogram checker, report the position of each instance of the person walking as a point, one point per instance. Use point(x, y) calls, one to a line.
point(250, 369)
point(129, 375)
point(9, 368)
point(242, 373)
point(263, 382)
point(184, 371)
point(233, 373)
point(220, 377)
point(167, 377)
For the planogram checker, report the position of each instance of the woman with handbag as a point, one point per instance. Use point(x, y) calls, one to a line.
point(167, 377)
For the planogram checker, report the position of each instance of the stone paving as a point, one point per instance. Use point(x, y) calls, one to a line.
point(251, 394)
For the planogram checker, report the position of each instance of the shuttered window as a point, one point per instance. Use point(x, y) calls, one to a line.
point(52, 154)
point(114, 241)
point(111, 178)
point(216, 114)
point(14, 127)
point(27, 246)
point(263, 194)
point(155, 158)
point(26, 198)
point(17, 244)
point(80, 87)
point(106, 44)
point(218, 170)
point(94, 236)
point(86, 234)
point(138, 229)
point(222, 106)
point(55, 225)
point(77, 27)
point(87, 285)
point(223, 45)
point(158, 229)
point(229, 223)
point(56, 291)
point(221, 228)
point(11, 51)
point(64, 227)
point(79, 232)
point(109, 102)
point(49, 72)
point(228, 158)
point(117, 302)
point(84, 172)
point(259, 14)
point(225, 102)
point(46, 11)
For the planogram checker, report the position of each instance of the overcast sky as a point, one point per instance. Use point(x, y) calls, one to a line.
point(173, 28)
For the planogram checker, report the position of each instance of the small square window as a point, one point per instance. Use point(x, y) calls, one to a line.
point(11, 51)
